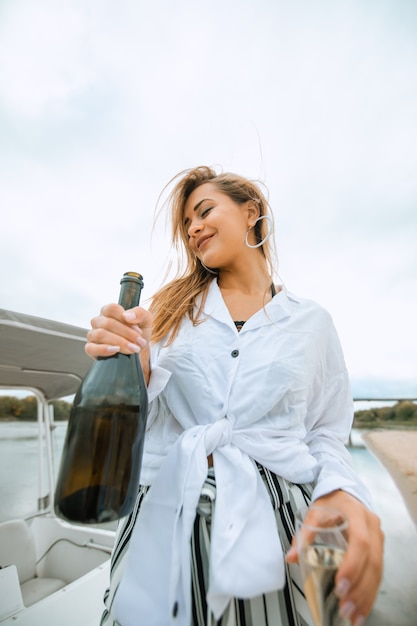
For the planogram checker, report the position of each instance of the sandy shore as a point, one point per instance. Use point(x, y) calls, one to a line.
point(397, 451)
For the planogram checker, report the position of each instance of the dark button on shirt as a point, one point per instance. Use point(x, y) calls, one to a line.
point(234, 353)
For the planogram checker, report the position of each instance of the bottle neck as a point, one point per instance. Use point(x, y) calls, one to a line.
point(130, 290)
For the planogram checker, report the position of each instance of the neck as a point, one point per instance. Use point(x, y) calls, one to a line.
point(252, 279)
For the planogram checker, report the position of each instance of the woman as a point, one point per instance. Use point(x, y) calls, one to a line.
point(250, 407)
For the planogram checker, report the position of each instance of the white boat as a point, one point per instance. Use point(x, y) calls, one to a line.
point(52, 573)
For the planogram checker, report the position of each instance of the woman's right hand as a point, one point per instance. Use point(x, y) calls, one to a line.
point(118, 330)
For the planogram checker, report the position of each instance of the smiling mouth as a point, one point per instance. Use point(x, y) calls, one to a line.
point(203, 242)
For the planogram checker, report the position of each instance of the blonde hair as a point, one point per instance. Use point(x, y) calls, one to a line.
point(178, 298)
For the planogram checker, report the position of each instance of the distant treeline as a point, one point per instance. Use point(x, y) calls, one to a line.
point(12, 408)
point(404, 413)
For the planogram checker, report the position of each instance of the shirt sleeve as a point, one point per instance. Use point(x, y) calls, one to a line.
point(329, 419)
point(159, 376)
point(161, 426)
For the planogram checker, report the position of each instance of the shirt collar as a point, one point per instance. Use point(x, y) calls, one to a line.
point(276, 310)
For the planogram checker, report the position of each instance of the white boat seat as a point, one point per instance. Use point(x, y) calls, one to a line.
point(17, 547)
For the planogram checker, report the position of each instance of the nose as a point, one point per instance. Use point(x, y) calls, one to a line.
point(194, 228)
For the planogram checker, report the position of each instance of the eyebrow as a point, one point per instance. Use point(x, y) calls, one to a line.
point(197, 206)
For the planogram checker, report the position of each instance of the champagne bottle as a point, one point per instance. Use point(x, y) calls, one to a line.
point(100, 465)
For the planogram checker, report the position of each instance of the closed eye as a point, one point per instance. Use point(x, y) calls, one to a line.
point(203, 214)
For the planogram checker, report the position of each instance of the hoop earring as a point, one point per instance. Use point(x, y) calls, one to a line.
point(267, 236)
point(208, 269)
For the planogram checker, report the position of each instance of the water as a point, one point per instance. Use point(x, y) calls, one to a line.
point(19, 480)
point(397, 599)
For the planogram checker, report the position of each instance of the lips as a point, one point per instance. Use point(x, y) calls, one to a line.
point(203, 240)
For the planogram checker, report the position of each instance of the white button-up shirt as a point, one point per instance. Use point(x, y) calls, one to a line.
point(278, 393)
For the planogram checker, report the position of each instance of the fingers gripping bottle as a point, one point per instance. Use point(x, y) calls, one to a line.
point(99, 472)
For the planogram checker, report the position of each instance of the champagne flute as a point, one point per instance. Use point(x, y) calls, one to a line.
point(321, 544)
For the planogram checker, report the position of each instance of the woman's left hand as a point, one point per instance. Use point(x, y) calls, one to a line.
point(359, 576)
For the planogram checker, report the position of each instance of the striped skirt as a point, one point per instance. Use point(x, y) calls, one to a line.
point(285, 607)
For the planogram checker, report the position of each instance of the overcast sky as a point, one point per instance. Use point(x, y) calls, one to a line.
point(101, 103)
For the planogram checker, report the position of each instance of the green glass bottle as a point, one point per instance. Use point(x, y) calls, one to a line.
point(100, 465)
